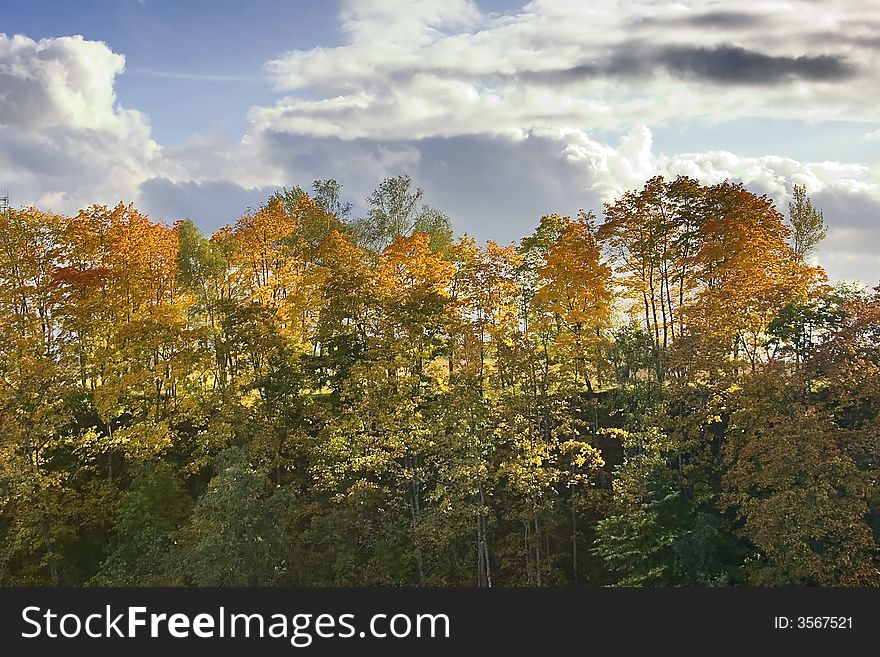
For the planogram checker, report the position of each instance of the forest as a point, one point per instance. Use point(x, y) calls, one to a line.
point(671, 394)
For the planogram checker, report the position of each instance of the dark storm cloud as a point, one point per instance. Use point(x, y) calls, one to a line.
point(731, 64)
point(632, 61)
point(210, 204)
point(722, 20)
point(720, 65)
point(725, 20)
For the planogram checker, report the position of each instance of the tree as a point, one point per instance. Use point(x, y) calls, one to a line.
point(802, 324)
point(349, 297)
point(48, 499)
point(234, 537)
point(576, 292)
point(652, 238)
point(316, 216)
point(152, 509)
point(807, 223)
point(745, 274)
point(327, 196)
point(533, 251)
point(802, 497)
point(397, 210)
point(485, 297)
point(202, 268)
point(302, 400)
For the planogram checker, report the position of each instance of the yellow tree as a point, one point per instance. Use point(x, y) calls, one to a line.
point(127, 319)
point(274, 252)
point(44, 460)
point(382, 439)
point(547, 451)
point(651, 236)
point(746, 274)
point(575, 295)
point(348, 301)
point(484, 313)
point(413, 284)
point(30, 254)
point(485, 297)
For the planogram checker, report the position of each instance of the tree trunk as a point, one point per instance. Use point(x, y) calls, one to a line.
point(415, 512)
point(574, 545)
point(54, 575)
point(537, 553)
point(484, 570)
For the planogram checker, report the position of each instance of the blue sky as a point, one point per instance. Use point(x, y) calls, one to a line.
point(190, 65)
point(502, 111)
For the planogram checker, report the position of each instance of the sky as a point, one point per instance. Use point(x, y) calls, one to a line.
point(502, 111)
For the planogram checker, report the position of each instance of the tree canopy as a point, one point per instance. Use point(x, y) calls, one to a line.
point(669, 394)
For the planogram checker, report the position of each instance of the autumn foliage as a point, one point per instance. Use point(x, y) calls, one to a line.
point(672, 395)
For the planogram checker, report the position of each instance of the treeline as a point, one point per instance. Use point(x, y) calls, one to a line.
point(672, 395)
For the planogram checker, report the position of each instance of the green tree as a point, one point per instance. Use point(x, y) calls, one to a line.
point(807, 223)
point(659, 533)
point(395, 210)
point(153, 507)
point(327, 196)
point(236, 536)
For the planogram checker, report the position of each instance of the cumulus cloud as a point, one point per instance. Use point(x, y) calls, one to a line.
point(444, 69)
point(615, 169)
point(65, 141)
point(66, 82)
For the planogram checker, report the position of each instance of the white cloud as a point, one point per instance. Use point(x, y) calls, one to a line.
point(613, 170)
point(439, 68)
point(65, 141)
point(64, 81)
